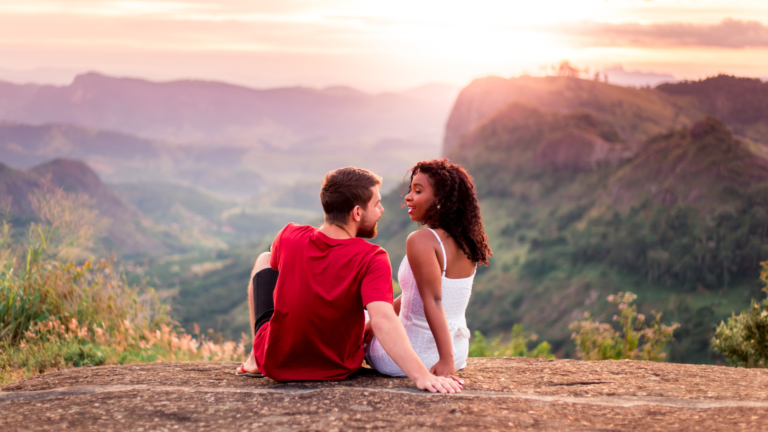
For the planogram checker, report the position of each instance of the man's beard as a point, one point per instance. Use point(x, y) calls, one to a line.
point(367, 229)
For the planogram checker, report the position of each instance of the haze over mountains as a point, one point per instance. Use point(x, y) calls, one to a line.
point(120, 158)
point(213, 113)
point(227, 139)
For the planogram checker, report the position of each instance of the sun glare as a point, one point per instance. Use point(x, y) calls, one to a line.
point(463, 39)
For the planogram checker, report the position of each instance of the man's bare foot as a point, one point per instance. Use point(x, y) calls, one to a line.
point(249, 367)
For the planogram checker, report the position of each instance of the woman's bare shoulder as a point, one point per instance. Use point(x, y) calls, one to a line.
point(421, 238)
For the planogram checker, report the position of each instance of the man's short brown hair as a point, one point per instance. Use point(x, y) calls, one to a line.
point(345, 188)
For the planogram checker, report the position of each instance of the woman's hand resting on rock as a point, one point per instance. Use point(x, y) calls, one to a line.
point(444, 368)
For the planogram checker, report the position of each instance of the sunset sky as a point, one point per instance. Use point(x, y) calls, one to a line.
point(381, 45)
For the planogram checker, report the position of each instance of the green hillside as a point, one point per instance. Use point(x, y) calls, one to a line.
point(204, 287)
point(197, 250)
point(127, 232)
point(577, 208)
point(740, 102)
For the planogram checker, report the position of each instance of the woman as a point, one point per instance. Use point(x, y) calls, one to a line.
point(437, 272)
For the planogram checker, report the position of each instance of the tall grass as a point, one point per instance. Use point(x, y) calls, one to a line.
point(638, 339)
point(59, 309)
point(516, 346)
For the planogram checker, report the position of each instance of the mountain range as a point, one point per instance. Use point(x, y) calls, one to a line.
point(229, 140)
point(125, 158)
point(215, 113)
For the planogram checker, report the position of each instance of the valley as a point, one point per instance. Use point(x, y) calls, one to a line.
point(587, 189)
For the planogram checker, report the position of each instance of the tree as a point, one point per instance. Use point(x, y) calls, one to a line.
point(744, 337)
point(567, 70)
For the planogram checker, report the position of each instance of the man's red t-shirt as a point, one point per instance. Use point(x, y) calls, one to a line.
point(316, 332)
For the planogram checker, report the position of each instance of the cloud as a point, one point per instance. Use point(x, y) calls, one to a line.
point(729, 33)
point(192, 10)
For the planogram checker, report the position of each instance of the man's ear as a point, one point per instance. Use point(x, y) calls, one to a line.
point(357, 214)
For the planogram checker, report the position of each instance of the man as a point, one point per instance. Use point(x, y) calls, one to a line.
point(309, 322)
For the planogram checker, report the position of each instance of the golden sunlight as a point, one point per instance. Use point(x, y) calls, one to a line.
point(345, 41)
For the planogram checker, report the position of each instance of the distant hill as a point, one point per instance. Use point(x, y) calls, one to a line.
point(742, 103)
point(527, 138)
point(234, 172)
point(24, 145)
point(617, 75)
point(703, 165)
point(214, 113)
point(127, 234)
point(637, 114)
point(119, 157)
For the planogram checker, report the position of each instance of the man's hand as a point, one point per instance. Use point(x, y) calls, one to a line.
point(368, 333)
point(444, 368)
point(435, 384)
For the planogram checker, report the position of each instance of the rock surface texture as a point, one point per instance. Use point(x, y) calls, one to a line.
point(499, 394)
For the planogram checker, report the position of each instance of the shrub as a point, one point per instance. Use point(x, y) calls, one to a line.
point(637, 340)
point(744, 337)
point(516, 347)
point(56, 312)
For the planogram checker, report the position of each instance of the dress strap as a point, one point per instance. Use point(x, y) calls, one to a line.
point(445, 257)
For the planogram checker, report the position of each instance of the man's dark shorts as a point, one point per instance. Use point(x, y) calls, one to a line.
point(264, 283)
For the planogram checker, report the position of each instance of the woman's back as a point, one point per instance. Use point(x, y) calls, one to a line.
point(461, 267)
point(455, 291)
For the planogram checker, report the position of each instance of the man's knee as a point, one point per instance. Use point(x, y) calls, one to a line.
point(262, 262)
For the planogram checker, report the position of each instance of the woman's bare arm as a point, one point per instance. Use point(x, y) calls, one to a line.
point(397, 304)
point(422, 256)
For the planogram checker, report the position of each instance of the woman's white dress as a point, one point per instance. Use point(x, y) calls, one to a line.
point(455, 298)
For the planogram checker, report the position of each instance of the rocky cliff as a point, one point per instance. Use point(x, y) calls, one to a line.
point(637, 114)
point(499, 394)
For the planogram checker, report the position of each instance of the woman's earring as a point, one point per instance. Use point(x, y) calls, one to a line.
point(438, 206)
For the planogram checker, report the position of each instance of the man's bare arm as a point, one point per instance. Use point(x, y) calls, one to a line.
point(369, 330)
point(391, 334)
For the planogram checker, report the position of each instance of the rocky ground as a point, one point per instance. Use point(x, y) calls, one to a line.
point(499, 394)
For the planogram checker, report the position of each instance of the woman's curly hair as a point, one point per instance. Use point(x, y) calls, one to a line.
point(459, 211)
